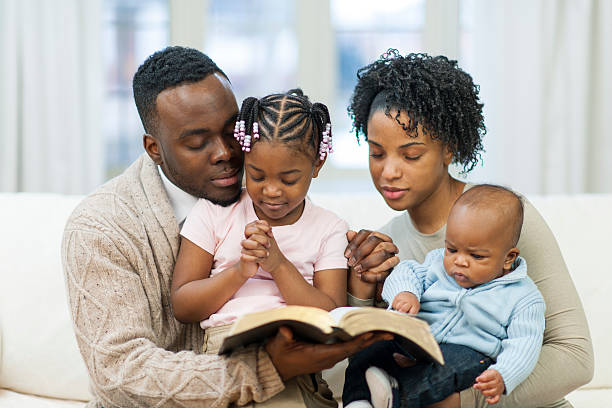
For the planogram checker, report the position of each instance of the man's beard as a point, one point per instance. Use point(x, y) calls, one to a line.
point(196, 192)
point(224, 203)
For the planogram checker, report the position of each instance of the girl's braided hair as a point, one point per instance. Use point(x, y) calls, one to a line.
point(287, 117)
point(433, 91)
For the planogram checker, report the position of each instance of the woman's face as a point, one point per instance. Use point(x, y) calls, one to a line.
point(405, 170)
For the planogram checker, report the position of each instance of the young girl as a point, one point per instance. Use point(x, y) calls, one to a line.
point(273, 247)
point(419, 114)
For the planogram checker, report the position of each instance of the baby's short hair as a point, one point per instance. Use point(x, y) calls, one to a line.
point(502, 199)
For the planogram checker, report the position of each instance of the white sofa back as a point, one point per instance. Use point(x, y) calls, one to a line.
point(38, 349)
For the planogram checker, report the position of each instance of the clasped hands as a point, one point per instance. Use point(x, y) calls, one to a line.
point(259, 248)
point(371, 255)
point(290, 356)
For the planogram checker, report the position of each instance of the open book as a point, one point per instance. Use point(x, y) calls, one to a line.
point(341, 324)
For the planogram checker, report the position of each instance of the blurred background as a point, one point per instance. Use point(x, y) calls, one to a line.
point(68, 121)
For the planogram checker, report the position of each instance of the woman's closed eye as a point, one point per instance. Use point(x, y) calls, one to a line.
point(412, 157)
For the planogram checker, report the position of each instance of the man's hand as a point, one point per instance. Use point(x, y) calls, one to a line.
point(491, 385)
point(406, 302)
point(371, 255)
point(292, 358)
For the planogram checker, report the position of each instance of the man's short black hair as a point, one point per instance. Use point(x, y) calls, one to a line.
point(433, 91)
point(165, 69)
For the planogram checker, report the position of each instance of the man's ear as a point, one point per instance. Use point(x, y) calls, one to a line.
point(510, 258)
point(318, 166)
point(151, 146)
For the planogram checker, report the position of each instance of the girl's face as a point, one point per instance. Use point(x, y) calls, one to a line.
point(278, 178)
point(405, 170)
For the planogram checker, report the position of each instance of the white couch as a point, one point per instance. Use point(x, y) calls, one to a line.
point(40, 365)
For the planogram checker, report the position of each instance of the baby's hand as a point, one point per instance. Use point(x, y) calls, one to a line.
point(406, 302)
point(491, 385)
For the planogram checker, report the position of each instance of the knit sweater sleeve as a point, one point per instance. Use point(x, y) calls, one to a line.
point(118, 340)
point(411, 276)
point(520, 350)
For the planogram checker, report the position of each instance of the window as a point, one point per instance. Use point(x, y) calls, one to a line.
point(133, 30)
point(255, 44)
point(364, 30)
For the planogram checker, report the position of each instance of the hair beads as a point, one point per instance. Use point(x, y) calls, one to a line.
point(288, 118)
point(325, 147)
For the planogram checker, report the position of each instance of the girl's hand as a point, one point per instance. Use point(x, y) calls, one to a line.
point(254, 249)
point(247, 268)
point(406, 302)
point(491, 385)
point(261, 247)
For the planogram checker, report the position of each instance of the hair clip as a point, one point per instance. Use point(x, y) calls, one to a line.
point(325, 147)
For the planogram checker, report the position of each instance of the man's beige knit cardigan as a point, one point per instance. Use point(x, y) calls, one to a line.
point(118, 253)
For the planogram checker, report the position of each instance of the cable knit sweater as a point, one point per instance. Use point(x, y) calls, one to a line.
point(118, 253)
point(503, 318)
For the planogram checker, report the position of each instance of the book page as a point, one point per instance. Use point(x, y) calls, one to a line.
point(359, 320)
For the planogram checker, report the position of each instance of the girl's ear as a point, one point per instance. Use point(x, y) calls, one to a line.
point(510, 258)
point(318, 166)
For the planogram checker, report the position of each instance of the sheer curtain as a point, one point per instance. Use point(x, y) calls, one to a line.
point(544, 69)
point(51, 99)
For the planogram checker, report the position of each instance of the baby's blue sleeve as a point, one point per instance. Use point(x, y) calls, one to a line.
point(521, 349)
point(411, 276)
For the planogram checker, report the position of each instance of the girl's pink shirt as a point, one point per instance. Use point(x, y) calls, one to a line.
point(313, 243)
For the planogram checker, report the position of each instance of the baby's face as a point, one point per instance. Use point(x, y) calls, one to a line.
point(478, 246)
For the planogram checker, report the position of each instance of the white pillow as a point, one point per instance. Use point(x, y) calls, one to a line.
point(582, 224)
point(40, 354)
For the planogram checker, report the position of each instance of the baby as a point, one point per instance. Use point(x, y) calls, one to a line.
point(483, 309)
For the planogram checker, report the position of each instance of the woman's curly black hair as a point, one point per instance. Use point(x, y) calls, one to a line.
point(433, 91)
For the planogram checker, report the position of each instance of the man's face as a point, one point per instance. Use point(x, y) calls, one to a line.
point(194, 142)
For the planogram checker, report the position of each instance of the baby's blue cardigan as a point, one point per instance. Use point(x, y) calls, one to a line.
point(503, 319)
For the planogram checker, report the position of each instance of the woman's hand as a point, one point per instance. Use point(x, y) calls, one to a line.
point(371, 255)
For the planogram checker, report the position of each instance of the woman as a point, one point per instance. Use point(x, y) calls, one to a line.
point(418, 115)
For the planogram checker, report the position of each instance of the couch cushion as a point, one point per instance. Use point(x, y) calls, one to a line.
point(360, 210)
point(582, 224)
point(14, 399)
point(39, 351)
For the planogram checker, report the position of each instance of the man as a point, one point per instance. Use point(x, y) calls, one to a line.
point(120, 245)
